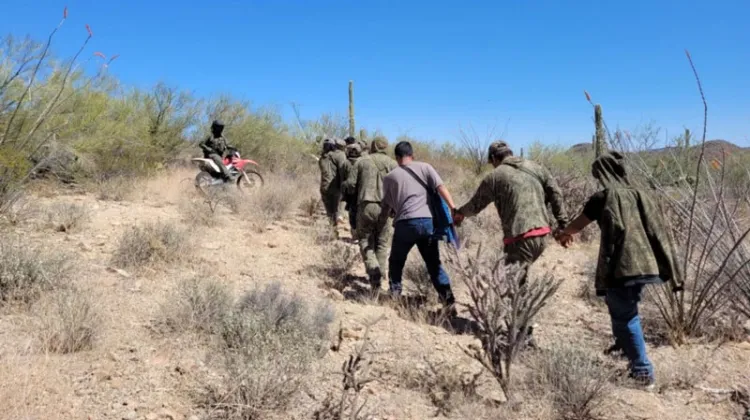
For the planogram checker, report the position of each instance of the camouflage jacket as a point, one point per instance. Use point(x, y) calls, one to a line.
point(213, 144)
point(366, 177)
point(520, 190)
point(635, 241)
point(333, 167)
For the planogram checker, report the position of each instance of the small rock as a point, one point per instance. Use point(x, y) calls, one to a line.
point(349, 333)
point(84, 247)
point(131, 415)
point(118, 271)
point(272, 245)
point(167, 414)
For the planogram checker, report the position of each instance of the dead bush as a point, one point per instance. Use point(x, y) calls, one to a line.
point(338, 260)
point(574, 379)
point(150, 243)
point(198, 212)
point(355, 372)
point(25, 272)
point(117, 189)
point(415, 271)
point(449, 387)
point(502, 309)
point(311, 207)
point(20, 211)
point(322, 233)
point(68, 322)
point(67, 217)
point(271, 204)
point(199, 304)
point(269, 342)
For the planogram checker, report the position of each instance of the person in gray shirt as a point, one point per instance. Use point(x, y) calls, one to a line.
point(407, 200)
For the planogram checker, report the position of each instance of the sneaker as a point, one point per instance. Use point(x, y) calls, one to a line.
point(645, 383)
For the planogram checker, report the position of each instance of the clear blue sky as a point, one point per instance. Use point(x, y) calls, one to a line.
point(425, 67)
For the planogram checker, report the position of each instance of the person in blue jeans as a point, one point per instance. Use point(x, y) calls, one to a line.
point(636, 250)
point(406, 199)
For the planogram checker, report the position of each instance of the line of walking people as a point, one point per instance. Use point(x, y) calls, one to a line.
point(635, 248)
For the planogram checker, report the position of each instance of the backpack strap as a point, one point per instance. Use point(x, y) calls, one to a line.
point(536, 176)
point(414, 175)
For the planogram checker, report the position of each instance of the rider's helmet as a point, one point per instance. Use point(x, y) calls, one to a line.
point(217, 126)
point(350, 140)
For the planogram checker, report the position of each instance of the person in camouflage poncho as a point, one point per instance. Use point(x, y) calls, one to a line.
point(366, 181)
point(353, 154)
point(333, 165)
point(635, 250)
point(520, 190)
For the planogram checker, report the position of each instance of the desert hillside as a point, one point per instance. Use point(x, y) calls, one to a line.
point(128, 324)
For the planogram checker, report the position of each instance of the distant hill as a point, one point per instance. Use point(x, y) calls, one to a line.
point(714, 148)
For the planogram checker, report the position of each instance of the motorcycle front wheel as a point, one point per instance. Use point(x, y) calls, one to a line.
point(250, 180)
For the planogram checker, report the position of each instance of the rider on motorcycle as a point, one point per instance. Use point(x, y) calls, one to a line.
point(215, 146)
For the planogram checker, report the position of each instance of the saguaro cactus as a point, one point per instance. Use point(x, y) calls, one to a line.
point(352, 129)
point(600, 142)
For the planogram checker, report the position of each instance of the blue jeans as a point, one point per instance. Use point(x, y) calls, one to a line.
point(626, 327)
point(419, 232)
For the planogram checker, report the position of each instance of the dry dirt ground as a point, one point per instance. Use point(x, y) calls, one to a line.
point(136, 372)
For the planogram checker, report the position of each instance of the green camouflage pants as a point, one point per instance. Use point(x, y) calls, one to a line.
point(525, 251)
point(332, 203)
point(220, 163)
point(373, 239)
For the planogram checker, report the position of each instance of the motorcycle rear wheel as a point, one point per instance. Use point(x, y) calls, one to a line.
point(203, 180)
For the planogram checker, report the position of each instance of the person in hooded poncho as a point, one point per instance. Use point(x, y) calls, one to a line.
point(635, 250)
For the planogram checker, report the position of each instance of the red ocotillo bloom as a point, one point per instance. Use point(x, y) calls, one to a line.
point(101, 55)
point(65, 12)
point(88, 28)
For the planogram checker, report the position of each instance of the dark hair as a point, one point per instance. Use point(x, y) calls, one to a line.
point(403, 149)
point(350, 140)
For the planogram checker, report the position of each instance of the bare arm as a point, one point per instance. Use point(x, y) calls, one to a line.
point(566, 236)
point(443, 191)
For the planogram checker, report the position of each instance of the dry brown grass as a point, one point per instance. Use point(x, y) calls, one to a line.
point(153, 242)
point(200, 304)
point(68, 322)
point(687, 370)
point(199, 211)
point(311, 207)
point(269, 343)
point(271, 203)
point(574, 379)
point(338, 261)
point(68, 217)
point(20, 211)
point(115, 189)
point(26, 272)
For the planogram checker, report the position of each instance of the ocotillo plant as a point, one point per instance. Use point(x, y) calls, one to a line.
point(351, 109)
point(600, 144)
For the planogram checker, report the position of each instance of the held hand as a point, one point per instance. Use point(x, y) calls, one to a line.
point(458, 218)
point(564, 239)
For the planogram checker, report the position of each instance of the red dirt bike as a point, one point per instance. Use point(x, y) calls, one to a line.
point(245, 173)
